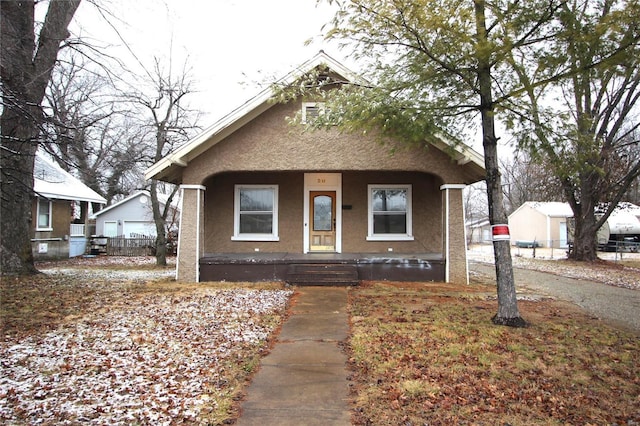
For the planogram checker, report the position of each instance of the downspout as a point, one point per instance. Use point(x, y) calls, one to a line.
point(464, 233)
point(179, 232)
point(446, 234)
point(197, 265)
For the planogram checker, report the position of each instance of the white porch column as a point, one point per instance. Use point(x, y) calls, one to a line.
point(190, 244)
point(455, 240)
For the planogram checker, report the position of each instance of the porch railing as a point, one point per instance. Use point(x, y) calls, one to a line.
point(77, 230)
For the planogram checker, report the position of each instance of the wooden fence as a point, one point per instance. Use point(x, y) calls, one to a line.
point(139, 246)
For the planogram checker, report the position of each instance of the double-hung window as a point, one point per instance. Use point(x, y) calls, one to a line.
point(44, 215)
point(389, 213)
point(256, 213)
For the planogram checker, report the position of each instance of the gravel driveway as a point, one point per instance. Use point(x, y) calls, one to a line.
point(610, 303)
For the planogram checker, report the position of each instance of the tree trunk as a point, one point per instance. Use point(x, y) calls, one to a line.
point(585, 232)
point(508, 313)
point(584, 245)
point(26, 71)
point(583, 204)
point(161, 228)
point(16, 186)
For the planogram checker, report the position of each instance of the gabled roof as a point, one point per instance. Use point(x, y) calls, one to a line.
point(51, 181)
point(161, 197)
point(550, 209)
point(170, 167)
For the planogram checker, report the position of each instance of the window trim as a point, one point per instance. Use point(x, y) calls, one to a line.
point(305, 105)
point(49, 226)
point(237, 236)
point(408, 236)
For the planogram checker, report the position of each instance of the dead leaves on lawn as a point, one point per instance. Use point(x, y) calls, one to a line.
point(429, 355)
point(79, 350)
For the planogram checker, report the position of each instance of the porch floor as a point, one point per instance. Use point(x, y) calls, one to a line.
point(262, 266)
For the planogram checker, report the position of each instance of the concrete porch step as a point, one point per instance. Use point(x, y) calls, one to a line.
point(330, 274)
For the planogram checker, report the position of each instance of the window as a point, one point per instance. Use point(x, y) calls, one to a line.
point(44, 215)
point(390, 213)
point(256, 213)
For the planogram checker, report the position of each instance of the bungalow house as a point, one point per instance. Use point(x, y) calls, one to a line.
point(60, 229)
point(133, 216)
point(263, 199)
point(542, 222)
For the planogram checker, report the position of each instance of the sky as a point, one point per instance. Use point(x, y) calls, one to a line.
point(230, 45)
point(233, 47)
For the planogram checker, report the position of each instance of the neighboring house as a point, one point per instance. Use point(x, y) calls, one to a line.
point(59, 230)
point(263, 199)
point(544, 223)
point(132, 217)
point(479, 231)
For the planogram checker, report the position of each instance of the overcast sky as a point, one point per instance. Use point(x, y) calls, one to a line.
point(229, 44)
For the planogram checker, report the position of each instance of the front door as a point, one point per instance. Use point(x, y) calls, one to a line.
point(322, 232)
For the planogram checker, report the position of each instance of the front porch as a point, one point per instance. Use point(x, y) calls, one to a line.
point(322, 268)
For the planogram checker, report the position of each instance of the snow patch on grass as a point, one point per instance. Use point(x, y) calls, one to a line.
point(158, 360)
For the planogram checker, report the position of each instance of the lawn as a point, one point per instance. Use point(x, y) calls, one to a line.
point(428, 354)
point(125, 344)
point(101, 348)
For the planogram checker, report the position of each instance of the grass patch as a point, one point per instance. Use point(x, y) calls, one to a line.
point(130, 352)
point(440, 360)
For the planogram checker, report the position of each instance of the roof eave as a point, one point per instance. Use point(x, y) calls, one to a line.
point(169, 168)
point(463, 155)
point(55, 196)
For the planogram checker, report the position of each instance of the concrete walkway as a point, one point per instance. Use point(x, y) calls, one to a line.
point(303, 381)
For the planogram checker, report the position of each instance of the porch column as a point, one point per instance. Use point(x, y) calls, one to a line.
point(455, 241)
point(190, 244)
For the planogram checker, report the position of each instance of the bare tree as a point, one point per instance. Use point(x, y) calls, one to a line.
point(169, 122)
point(26, 62)
point(584, 124)
point(527, 179)
point(89, 130)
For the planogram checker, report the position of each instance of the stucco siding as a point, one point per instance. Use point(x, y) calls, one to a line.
point(270, 143)
point(457, 256)
point(60, 220)
point(219, 211)
point(191, 234)
point(426, 207)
